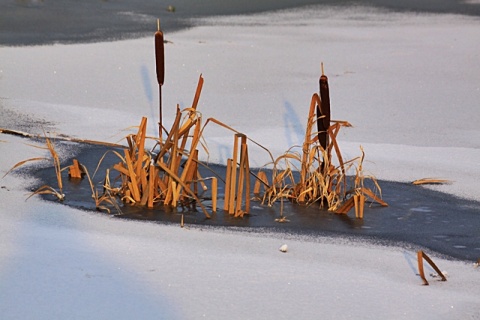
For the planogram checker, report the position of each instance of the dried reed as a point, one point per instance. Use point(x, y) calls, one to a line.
point(107, 196)
point(422, 255)
point(234, 190)
point(45, 189)
point(76, 171)
point(430, 181)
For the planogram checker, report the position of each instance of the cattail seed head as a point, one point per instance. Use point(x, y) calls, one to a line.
point(159, 55)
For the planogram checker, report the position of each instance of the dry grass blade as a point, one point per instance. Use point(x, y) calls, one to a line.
point(21, 163)
point(58, 172)
point(217, 122)
point(63, 138)
point(103, 157)
point(47, 190)
point(369, 193)
point(56, 163)
point(431, 181)
point(197, 92)
point(106, 197)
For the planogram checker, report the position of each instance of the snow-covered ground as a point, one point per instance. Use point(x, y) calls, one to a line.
point(409, 83)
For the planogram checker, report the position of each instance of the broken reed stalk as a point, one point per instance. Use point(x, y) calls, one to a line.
point(359, 201)
point(422, 255)
point(234, 190)
point(260, 179)
point(228, 185)
point(75, 171)
point(214, 194)
point(160, 70)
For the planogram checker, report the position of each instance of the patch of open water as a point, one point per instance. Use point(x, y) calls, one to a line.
point(415, 215)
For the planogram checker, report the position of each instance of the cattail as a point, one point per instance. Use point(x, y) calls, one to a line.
point(159, 54)
point(160, 67)
point(323, 111)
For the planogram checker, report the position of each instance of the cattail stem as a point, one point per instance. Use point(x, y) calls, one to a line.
point(160, 120)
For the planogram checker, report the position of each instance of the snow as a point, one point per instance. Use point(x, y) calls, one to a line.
point(409, 83)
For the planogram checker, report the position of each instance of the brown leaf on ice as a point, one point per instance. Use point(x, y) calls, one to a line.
point(431, 181)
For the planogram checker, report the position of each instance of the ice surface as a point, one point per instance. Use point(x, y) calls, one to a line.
point(409, 83)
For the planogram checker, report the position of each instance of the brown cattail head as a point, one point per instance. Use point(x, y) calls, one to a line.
point(325, 97)
point(323, 110)
point(159, 55)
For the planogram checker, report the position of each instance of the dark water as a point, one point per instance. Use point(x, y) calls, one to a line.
point(36, 22)
point(416, 216)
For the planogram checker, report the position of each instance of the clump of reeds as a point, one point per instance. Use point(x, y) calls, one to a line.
point(170, 176)
point(320, 181)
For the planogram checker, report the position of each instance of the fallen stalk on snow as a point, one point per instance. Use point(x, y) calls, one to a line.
point(430, 181)
point(420, 257)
